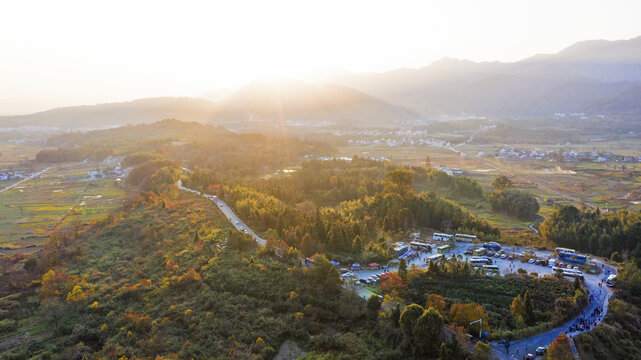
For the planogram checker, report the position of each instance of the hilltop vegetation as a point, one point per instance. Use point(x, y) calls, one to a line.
point(598, 233)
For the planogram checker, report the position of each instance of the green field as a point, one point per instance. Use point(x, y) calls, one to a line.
point(59, 197)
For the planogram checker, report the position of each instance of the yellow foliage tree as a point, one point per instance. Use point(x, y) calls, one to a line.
point(76, 295)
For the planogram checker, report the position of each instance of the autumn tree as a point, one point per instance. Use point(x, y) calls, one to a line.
point(392, 283)
point(560, 349)
point(483, 351)
point(502, 183)
point(464, 314)
point(436, 302)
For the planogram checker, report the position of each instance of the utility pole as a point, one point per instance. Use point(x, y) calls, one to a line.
point(481, 329)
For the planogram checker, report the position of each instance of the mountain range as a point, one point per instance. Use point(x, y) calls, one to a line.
point(595, 77)
point(575, 79)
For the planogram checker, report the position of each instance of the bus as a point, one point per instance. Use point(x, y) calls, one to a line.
point(480, 261)
point(465, 237)
point(415, 245)
point(610, 280)
point(563, 270)
point(494, 246)
point(435, 257)
point(573, 257)
point(573, 274)
point(442, 237)
point(491, 268)
point(560, 250)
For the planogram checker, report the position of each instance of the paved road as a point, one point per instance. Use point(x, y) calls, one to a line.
point(25, 179)
point(528, 345)
point(601, 295)
point(226, 210)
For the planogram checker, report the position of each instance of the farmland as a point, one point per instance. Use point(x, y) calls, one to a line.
point(59, 197)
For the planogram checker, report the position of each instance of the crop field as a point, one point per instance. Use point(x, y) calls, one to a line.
point(59, 197)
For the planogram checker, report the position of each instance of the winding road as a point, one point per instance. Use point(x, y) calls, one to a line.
point(601, 294)
point(227, 211)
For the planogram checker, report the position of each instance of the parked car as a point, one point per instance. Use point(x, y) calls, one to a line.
point(537, 262)
point(529, 357)
point(577, 268)
point(467, 252)
point(569, 267)
point(531, 261)
point(540, 350)
point(503, 256)
point(362, 281)
point(510, 257)
point(497, 255)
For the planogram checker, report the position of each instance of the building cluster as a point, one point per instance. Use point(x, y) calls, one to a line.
point(565, 155)
point(11, 176)
point(115, 172)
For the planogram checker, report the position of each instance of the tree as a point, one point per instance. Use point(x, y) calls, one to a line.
point(357, 245)
point(407, 321)
point(393, 283)
point(402, 269)
point(464, 314)
point(483, 351)
point(502, 183)
point(325, 275)
point(529, 308)
point(373, 306)
point(400, 179)
point(450, 350)
point(560, 349)
point(428, 162)
point(75, 295)
point(308, 245)
point(49, 285)
point(428, 332)
point(436, 302)
point(518, 310)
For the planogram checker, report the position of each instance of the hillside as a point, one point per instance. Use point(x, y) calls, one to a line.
point(537, 86)
point(297, 103)
point(625, 103)
point(117, 114)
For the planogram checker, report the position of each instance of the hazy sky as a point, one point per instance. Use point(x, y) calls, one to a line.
point(57, 53)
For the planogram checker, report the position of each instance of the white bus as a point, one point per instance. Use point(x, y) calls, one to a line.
point(573, 274)
point(560, 250)
point(465, 237)
point(435, 257)
point(491, 268)
point(480, 261)
point(416, 245)
point(442, 237)
point(610, 280)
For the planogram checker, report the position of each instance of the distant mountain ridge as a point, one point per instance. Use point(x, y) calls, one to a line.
point(291, 102)
point(117, 114)
point(537, 86)
point(596, 76)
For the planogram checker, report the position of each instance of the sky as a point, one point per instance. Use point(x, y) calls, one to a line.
point(61, 53)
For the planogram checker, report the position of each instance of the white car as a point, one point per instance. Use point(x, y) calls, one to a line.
point(531, 261)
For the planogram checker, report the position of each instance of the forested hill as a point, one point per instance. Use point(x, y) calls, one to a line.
point(117, 114)
point(169, 129)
